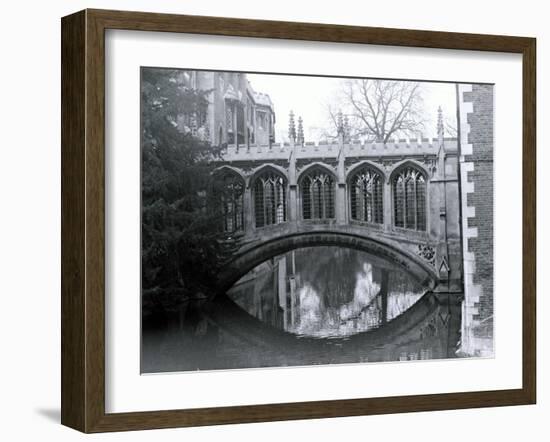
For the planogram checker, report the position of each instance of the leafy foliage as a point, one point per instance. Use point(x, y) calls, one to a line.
point(182, 244)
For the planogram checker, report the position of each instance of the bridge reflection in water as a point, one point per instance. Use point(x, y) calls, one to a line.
point(315, 305)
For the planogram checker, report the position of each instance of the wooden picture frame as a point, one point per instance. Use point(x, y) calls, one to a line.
point(83, 220)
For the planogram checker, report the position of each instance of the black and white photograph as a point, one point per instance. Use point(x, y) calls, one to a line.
point(265, 221)
point(300, 220)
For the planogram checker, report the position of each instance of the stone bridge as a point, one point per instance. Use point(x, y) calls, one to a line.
point(399, 201)
point(387, 251)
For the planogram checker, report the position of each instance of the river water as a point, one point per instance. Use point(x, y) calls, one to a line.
point(316, 305)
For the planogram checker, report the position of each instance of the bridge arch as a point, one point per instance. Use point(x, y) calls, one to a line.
point(252, 255)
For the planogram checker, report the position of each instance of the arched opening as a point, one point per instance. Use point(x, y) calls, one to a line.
point(232, 199)
point(317, 192)
point(409, 199)
point(366, 196)
point(250, 257)
point(269, 189)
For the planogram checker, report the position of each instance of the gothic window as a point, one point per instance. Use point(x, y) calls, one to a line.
point(269, 199)
point(232, 202)
point(366, 196)
point(409, 199)
point(229, 121)
point(317, 191)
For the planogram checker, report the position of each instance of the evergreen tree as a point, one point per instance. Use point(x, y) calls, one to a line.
point(182, 244)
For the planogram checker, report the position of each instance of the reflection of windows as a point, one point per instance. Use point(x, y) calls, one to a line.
point(269, 199)
point(409, 199)
point(366, 198)
point(232, 203)
point(317, 190)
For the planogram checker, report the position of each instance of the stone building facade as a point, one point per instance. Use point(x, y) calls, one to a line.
point(403, 194)
point(428, 198)
point(236, 115)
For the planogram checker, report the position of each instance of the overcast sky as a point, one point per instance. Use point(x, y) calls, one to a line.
point(309, 97)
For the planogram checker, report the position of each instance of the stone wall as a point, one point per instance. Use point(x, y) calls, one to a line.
point(476, 162)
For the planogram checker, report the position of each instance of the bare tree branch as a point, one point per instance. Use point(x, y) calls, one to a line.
point(450, 127)
point(379, 110)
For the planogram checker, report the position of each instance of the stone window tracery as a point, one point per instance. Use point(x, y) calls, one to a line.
point(317, 191)
point(409, 199)
point(269, 199)
point(366, 196)
point(232, 203)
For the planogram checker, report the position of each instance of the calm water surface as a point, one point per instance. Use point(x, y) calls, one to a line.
point(317, 305)
point(325, 292)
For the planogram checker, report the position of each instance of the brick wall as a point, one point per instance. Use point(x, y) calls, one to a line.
point(476, 132)
point(481, 139)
